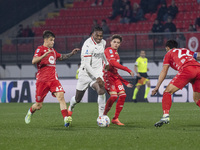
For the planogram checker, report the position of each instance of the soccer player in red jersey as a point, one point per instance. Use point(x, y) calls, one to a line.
point(113, 81)
point(47, 80)
point(180, 59)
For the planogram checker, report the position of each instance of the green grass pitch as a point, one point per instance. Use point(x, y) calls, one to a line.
point(47, 132)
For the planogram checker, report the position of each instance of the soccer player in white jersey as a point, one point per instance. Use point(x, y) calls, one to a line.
point(91, 70)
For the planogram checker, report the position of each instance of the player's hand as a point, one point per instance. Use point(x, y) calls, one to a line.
point(132, 73)
point(129, 85)
point(107, 67)
point(154, 91)
point(100, 82)
point(45, 54)
point(74, 51)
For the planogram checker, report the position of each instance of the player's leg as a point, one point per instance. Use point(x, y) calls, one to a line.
point(82, 85)
point(63, 108)
point(135, 92)
point(41, 91)
point(166, 104)
point(113, 97)
point(147, 88)
point(101, 97)
point(74, 100)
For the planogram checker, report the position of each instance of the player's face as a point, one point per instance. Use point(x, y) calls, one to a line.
point(98, 36)
point(49, 42)
point(142, 54)
point(115, 43)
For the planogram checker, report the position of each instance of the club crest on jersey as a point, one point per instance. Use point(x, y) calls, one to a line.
point(51, 60)
point(111, 51)
point(37, 50)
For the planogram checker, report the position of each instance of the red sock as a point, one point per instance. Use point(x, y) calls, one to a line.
point(31, 110)
point(198, 103)
point(64, 113)
point(119, 105)
point(166, 102)
point(109, 103)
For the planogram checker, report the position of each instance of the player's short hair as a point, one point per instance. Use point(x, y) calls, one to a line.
point(116, 36)
point(97, 28)
point(47, 34)
point(171, 44)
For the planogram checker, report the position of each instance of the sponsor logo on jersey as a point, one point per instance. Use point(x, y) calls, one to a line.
point(37, 50)
point(111, 51)
point(51, 60)
point(98, 55)
point(111, 55)
point(86, 52)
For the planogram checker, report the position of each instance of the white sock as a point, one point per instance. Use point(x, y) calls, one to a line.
point(72, 103)
point(101, 103)
point(165, 115)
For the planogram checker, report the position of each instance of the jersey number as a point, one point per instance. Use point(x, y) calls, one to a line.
point(180, 53)
point(121, 87)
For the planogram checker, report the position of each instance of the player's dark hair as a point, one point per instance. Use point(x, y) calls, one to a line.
point(97, 28)
point(47, 34)
point(116, 36)
point(171, 44)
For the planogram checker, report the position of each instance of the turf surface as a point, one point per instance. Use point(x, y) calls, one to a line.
point(47, 132)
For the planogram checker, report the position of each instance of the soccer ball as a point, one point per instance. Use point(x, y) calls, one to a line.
point(103, 121)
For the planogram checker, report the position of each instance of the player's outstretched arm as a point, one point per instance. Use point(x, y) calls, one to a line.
point(35, 60)
point(161, 78)
point(66, 56)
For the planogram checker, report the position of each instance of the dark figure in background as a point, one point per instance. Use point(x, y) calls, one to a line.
point(137, 13)
point(106, 29)
point(172, 10)
point(180, 38)
point(61, 3)
point(162, 12)
point(158, 28)
point(20, 31)
point(126, 15)
point(96, 1)
point(169, 27)
point(149, 6)
point(192, 28)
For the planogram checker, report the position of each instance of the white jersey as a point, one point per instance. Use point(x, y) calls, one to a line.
point(92, 57)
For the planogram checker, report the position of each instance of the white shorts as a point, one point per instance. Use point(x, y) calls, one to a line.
point(85, 80)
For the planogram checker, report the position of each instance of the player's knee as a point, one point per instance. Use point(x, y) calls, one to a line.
point(113, 97)
point(60, 96)
point(101, 91)
point(167, 90)
point(122, 96)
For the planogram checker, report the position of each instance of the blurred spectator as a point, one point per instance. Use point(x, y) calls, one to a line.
point(61, 3)
point(192, 28)
point(105, 28)
point(96, 1)
point(149, 6)
point(116, 9)
point(95, 24)
point(169, 27)
point(198, 1)
point(197, 22)
point(20, 31)
point(126, 15)
point(27, 32)
point(157, 28)
point(172, 10)
point(162, 12)
point(180, 38)
point(137, 13)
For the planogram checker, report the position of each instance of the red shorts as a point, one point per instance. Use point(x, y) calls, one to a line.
point(188, 74)
point(42, 88)
point(114, 85)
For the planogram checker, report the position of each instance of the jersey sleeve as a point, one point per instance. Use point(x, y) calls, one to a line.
point(87, 50)
point(58, 55)
point(109, 54)
point(166, 60)
point(38, 52)
point(136, 62)
point(123, 80)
